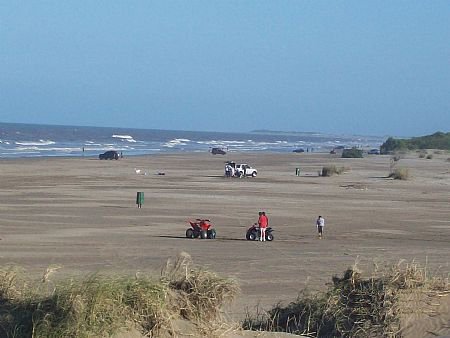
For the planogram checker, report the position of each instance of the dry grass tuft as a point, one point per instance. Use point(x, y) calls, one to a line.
point(200, 293)
point(332, 170)
point(100, 306)
point(353, 306)
point(400, 174)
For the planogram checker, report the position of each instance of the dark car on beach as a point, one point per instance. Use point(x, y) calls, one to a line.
point(109, 155)
point(218, 151)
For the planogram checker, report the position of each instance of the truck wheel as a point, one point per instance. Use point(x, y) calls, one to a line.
point(254, 174)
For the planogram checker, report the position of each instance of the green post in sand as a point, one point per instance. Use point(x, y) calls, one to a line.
point(140, 199)
point(297, 171)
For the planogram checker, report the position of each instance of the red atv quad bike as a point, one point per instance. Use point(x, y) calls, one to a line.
point(201, 228)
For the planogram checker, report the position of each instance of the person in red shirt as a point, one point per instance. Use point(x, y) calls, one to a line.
point(263, 222)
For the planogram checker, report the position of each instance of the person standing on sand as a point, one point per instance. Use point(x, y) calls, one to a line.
point(320, 223)
point(263, 222)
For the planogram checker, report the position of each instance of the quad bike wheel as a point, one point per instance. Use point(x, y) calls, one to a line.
point(211, 234)
point(251, 236)
point(190, 233)
point(254, 174)
point(203, 234)
point(269, 237)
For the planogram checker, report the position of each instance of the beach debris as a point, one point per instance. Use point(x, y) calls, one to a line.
point(354, 186)
point(140, 172)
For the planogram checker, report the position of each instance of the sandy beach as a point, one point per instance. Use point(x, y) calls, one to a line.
point(80, 214)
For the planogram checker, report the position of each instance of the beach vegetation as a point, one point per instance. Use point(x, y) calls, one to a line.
point(352, 153)
point(355, 306)
point(438, 140)
point(331, 170)
point(429, 156)
point(101, 306)
point(399, 174)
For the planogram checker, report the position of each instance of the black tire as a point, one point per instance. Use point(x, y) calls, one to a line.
point(212, 234)
point(252, 236)
point(190, 233)
point(254, 174)
point(247, 235)
point(269, 237)
point(203, 234)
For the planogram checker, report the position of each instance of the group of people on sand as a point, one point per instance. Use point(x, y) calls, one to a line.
point(229, 171)
point(263, 223)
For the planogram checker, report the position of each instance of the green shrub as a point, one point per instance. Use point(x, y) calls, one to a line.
point(422, 155)
point(400, 174)
point(429, 156)
point(437, 140)
point(352, 153)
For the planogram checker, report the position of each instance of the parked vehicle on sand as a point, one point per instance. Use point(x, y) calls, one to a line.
point(201, 228)
point(253, 233)
point(218, 151)
point(374, 152)
point(245, 170)
point(109, 155)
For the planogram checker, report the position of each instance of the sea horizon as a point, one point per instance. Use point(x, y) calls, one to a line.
point(46, 140)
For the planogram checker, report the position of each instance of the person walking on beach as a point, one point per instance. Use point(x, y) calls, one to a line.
point(320, 223)
point(263, 222)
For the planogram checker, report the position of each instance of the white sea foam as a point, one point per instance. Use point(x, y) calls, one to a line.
point(127, 138)
point(31, 143)
point(176, 142)
point(57, 149)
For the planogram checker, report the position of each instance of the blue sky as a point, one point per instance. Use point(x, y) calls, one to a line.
point(347, 67)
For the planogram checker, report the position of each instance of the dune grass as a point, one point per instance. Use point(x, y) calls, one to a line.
point(400, 174)
point(99, 306)
point(331, 170)
point(353, 306)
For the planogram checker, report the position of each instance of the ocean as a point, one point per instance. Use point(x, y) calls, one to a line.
point(30, 140)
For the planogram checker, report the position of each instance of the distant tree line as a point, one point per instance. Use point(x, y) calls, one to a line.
point(437, 140)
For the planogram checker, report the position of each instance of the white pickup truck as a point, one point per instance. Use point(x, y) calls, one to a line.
point(238, 170)
point(245, 170)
